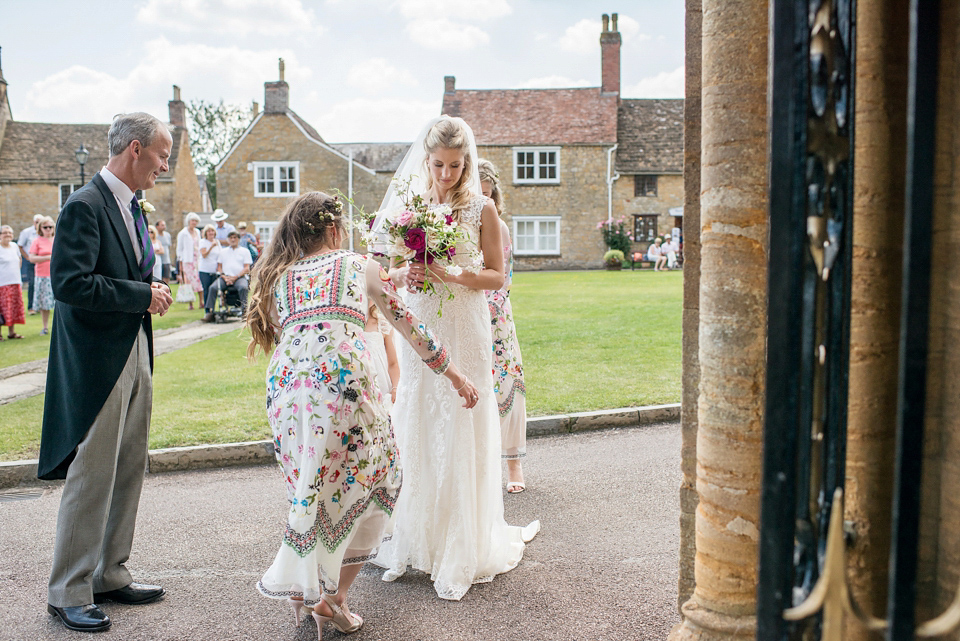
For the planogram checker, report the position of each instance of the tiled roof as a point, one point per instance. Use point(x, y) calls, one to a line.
point(40, 151)
point(379, 156)
point(650, 136)
point(536, 116)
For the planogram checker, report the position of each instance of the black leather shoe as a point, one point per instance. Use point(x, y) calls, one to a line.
point(133, 594)
point(82, 618)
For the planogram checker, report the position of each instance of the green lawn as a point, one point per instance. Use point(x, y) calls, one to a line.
point(33, 346)
point(590, 340)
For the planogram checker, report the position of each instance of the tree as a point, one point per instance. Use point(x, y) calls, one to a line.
point(214, 127)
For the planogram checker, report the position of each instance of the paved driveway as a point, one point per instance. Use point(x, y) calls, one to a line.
point(604, 566)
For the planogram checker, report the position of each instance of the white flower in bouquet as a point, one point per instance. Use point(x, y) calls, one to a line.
point(400, 250)
point(454, 270)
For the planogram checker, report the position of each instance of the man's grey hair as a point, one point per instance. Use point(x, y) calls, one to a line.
point(135, 126)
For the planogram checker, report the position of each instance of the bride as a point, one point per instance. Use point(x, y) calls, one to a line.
point(449, 517)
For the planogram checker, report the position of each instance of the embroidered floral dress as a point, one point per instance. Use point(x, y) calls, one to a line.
point(449, 519)
point(507, 362)
point(331, 432)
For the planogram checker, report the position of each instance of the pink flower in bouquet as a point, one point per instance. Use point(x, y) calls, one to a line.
point(415, 239)
point(405, 217)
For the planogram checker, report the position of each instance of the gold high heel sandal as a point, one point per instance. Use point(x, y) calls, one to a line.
point(343, 620)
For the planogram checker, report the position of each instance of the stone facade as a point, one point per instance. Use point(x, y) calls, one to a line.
point(20, 201)
point(177, 192)
point(669, 197)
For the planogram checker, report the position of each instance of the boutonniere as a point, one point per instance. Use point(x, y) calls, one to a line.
point(146, 207)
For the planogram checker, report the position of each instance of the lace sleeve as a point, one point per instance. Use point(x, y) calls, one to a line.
point(384, 295)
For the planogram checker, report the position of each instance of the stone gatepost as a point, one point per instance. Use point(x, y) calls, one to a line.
point(732, 327)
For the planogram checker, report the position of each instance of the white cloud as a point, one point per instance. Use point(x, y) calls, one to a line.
point(553, 82)
point(377, 74)
point(584, 36)
point(202, 71)
point(462, 9)
point(667, 84)
point(235, 17)
point(441, 33)
point(369, 119)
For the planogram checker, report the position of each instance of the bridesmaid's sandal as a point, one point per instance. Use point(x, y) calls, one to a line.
point(298, 607)
point(343, 619)
point(515, 487)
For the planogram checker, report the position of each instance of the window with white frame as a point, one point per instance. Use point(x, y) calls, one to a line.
point(264, 230)
point(536, 235)
point(276, 179)
point(65, 190)
point(532, 165)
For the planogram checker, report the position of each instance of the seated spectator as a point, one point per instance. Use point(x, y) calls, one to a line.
point(233, 268)
point(669, 249)
point(11, 296)
point(655, 254)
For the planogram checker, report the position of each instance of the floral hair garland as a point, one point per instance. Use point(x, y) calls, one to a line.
point(326, 216)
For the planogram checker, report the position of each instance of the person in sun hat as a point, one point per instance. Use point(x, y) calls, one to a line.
point(223, 228)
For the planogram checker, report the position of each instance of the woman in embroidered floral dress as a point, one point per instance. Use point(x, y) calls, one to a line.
point(450, 518)
point(507, 362)
point(332, 435)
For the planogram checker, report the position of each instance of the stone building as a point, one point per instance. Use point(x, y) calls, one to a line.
point(570, 158)
point(39, 170)
point(733, 112)
point(281, 156)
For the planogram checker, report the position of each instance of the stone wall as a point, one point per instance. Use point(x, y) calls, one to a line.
point(580, 199)
point(276, 138)
point(669, 195)
point(20, 201)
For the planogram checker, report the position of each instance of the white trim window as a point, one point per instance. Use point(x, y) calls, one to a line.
point(536, 235)
point(65, 190)
point(536, 165)
point(276, 179)
point(264, 229)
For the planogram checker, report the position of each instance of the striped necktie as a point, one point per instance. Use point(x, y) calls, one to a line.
point(147, 257)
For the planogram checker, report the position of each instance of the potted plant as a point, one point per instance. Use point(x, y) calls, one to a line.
point(613, 259)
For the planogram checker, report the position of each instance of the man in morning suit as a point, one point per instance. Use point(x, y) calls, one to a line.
point(96, 414)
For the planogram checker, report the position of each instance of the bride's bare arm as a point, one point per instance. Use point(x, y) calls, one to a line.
point(491, 246)
point(381, 291)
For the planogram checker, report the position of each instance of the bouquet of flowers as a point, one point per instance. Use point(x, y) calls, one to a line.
point(417, 233)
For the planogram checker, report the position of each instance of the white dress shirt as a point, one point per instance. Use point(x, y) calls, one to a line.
point(123, 196)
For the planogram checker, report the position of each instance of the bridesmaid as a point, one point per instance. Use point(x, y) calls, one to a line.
point(332, 435)
point(507, 362)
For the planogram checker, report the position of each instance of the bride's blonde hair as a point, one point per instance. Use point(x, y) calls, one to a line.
point(451, 133)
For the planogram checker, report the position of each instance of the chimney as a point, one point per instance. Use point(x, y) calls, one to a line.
point(256, 108)
point(449, 84)
point(276, 95)
point(178, 110)
point(610, 56)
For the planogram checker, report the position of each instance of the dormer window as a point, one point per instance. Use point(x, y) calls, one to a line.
point(536, 165)
point(276, 179)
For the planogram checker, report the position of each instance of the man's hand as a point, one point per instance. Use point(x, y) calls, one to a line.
point(229, 280)
point(160, 299)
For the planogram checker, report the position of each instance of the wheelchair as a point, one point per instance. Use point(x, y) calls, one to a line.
point(227, 306)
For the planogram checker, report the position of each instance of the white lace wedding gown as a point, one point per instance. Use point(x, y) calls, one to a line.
point(449, 517)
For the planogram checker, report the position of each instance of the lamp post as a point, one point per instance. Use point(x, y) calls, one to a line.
point(82, 154)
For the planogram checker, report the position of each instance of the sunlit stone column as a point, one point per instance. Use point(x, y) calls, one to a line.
point(880, 163)
point(691, 301)
point(732, 330)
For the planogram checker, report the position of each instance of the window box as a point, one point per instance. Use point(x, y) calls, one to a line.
point(536, 165)
point(536, 235)
point(276, 179)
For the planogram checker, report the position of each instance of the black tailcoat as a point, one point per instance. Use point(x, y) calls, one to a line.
point(101, 304)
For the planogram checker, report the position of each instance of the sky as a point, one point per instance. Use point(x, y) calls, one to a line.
point(358, 70)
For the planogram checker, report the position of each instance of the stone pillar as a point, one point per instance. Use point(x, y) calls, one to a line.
point(940, 525)
point(732, 330)
point(691, 301)
point(880, 164)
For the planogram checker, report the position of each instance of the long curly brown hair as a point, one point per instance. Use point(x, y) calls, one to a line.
point(307, 224)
